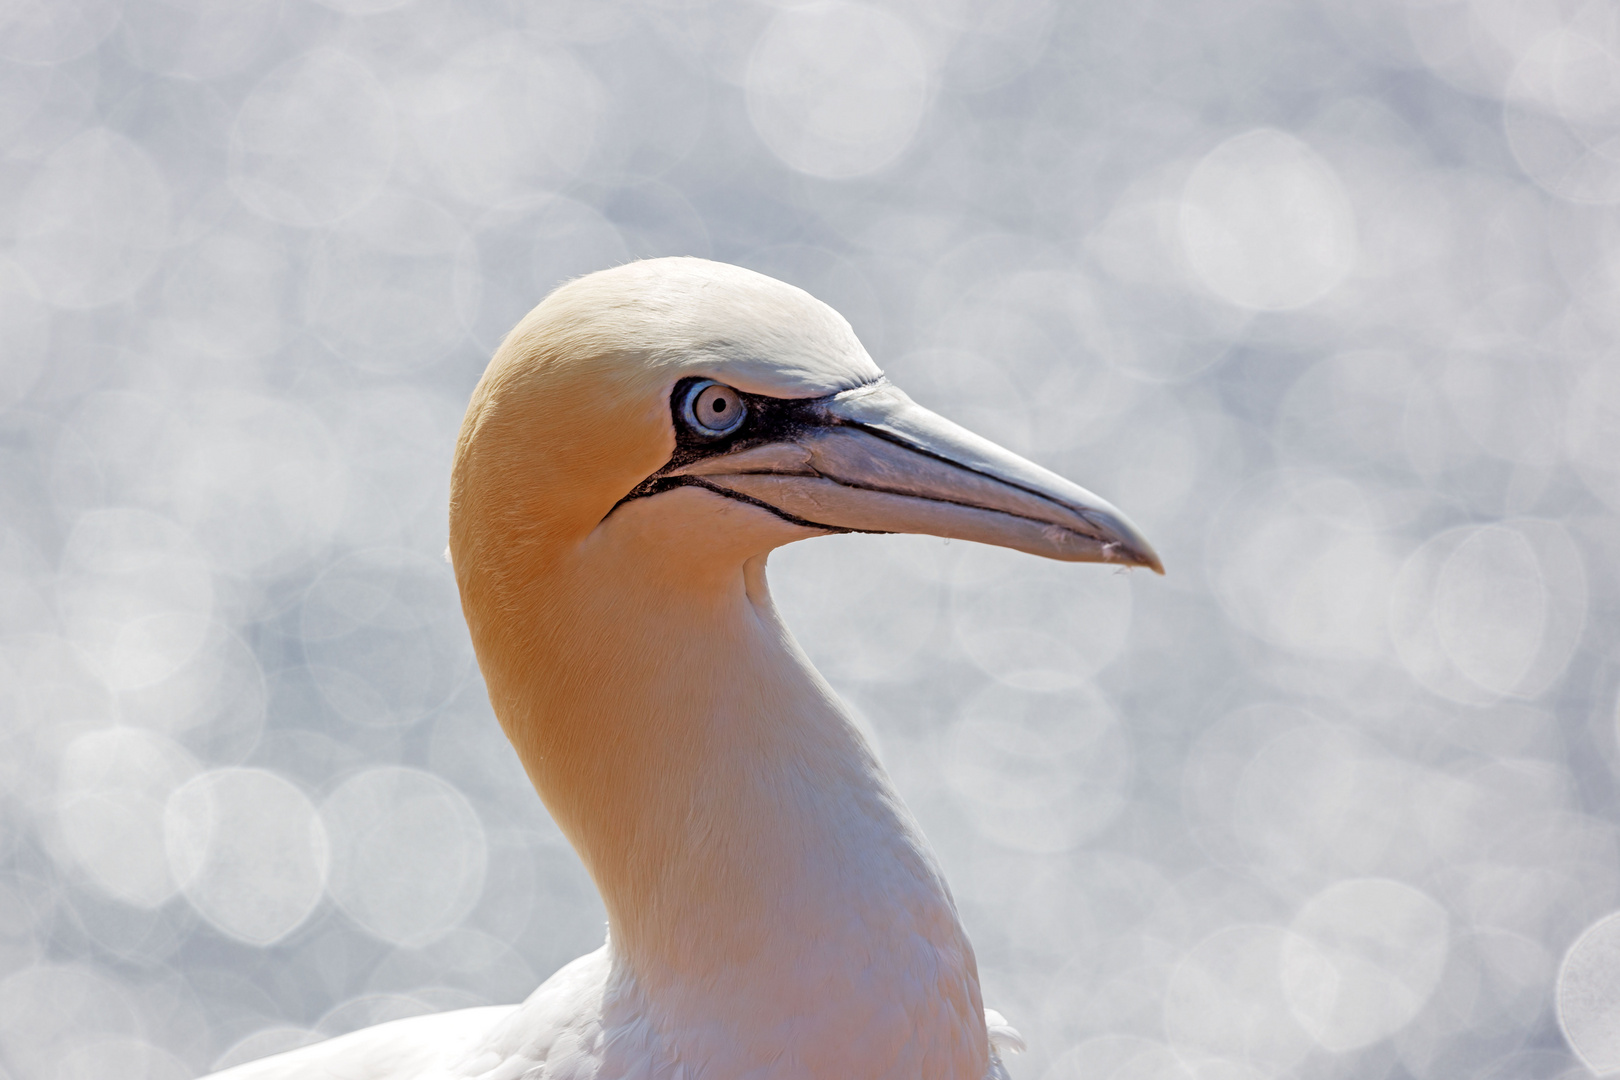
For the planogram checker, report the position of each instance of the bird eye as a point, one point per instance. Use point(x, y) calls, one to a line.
point(713, 409)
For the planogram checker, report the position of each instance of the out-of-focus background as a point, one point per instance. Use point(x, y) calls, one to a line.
point(1325, 295)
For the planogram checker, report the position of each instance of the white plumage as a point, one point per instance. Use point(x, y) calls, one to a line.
point(638, 445)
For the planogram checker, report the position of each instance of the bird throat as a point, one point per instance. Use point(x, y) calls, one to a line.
point(756, 864)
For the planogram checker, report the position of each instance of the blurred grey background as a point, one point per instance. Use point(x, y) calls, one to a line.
point(1325, 295)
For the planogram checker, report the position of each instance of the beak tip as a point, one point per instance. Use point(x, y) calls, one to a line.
point(1122, 541)
point(1142, 556)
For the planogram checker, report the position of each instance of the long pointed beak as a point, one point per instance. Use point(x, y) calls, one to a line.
point(873, 460)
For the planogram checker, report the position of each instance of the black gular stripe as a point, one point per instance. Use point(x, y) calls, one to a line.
point(768, 420)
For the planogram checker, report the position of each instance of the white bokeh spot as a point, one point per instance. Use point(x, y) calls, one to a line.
point(1589, 996)
point(1266, 223)
point(409, 854)
point(1364, 958)
point(837, 89)
point(249, 852)
point(111, 794)
point(314, 141)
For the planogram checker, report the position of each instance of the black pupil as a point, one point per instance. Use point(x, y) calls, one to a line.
point(719, 404)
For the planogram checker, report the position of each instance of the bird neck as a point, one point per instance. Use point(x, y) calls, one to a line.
point(744, 838)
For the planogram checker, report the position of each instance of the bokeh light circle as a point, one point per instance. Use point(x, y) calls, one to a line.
point(94, 221)
point(1483, 612)
point(1040, 772)
point(1363, 960)
point(409, 854)
point(504, 117)
point(314, 141)
point(837, 89)
point(382, 633)
point(1226, 999)
point(112, 792)
point(1562, 114)
point(1589, 996)
point(1265, 222)
point(48, 1011)
point(137, 595)
point(249, 851)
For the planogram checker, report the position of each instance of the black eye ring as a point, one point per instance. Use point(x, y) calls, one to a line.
point(712, 409)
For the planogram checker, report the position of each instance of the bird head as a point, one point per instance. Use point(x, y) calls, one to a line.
point(714, 412)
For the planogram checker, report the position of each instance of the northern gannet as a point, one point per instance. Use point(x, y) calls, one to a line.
point(638, 445)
